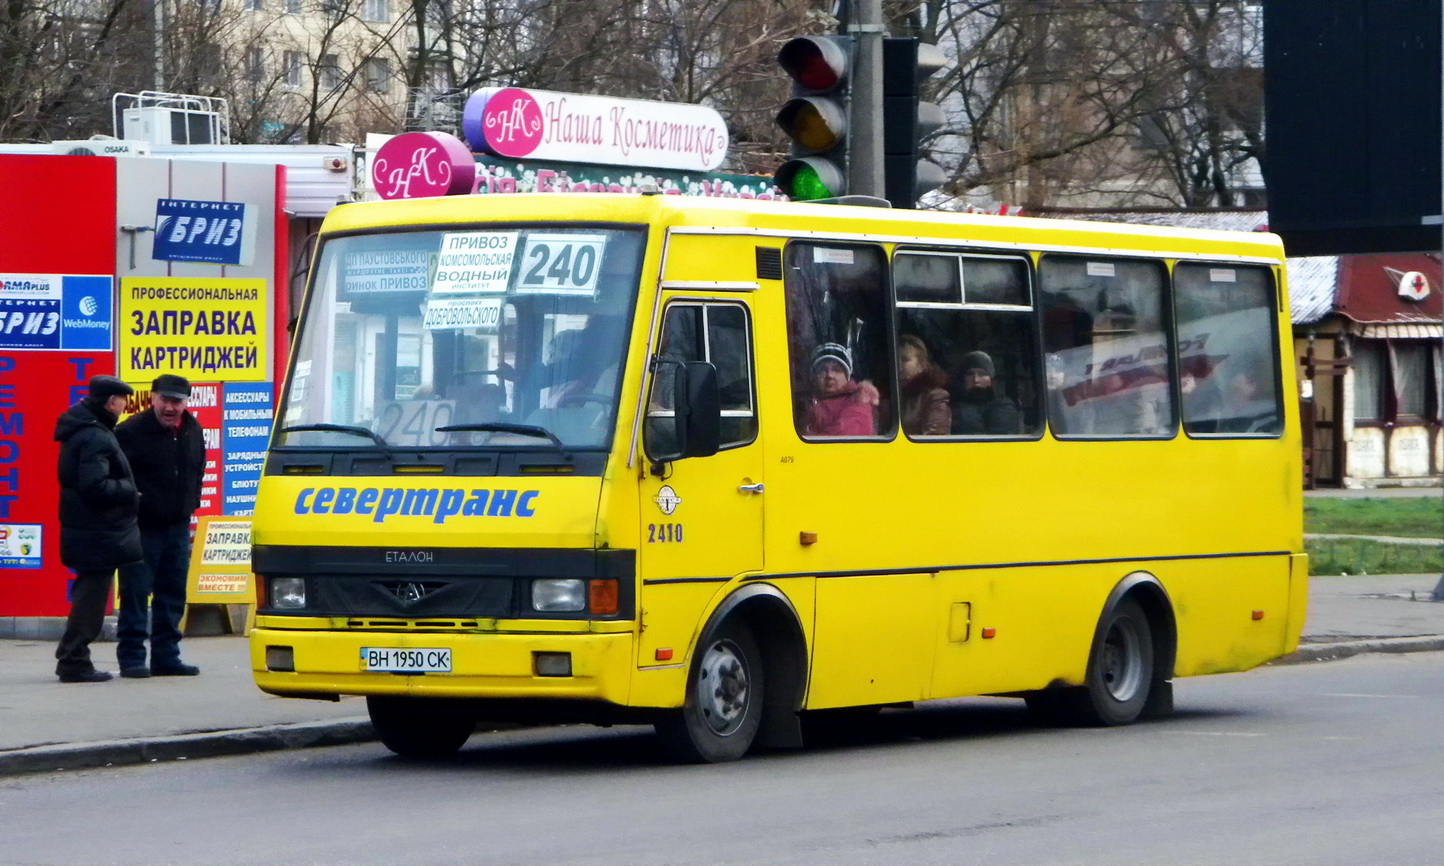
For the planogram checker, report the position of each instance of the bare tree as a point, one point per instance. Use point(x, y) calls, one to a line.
point(60, 61)
point(1096, 103)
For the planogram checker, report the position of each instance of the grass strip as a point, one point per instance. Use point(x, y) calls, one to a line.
point(1329, 556)
point(1408, 517)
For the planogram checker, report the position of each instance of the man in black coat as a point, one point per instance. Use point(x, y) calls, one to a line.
point(167, 452)
point(98, 533)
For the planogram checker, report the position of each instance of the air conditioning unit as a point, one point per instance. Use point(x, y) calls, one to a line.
point(101, 147)
point(167, 125)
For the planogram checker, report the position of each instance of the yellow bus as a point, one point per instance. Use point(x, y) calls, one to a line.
point(715, 465)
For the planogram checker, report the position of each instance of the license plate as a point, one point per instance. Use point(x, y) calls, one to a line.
point(409, 660)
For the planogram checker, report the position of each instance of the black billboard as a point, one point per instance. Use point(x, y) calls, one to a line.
point(1352, 94)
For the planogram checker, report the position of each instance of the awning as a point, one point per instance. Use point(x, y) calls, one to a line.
point(1396, 330)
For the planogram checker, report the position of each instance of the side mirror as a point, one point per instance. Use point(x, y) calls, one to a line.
point(699, 410)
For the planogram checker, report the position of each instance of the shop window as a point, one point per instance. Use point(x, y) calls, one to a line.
point(837, 339)
point(1411, 379)
point(1107, 347)
point(1227, 356)
point(1368, 375)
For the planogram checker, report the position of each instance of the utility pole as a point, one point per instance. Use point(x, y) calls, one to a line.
point(864, 24)
point(1439, 587)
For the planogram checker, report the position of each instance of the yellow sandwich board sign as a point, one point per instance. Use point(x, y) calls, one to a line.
point(220, 569)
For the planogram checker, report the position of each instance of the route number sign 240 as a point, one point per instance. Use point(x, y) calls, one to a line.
point(566, 264)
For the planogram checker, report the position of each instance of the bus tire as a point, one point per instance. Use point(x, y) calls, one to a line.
point(419, 727)
point(1120, 675)
point(723, 707)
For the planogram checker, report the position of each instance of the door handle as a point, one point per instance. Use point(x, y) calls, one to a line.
point(751, 488)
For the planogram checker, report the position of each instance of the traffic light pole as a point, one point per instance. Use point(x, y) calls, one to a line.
point(865, 150)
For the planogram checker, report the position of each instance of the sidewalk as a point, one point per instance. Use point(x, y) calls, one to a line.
point(48, 725)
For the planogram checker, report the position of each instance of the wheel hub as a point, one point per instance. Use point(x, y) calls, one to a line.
point(1122, 665)
point(722, 690)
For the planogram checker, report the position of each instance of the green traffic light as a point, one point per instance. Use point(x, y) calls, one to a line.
point(807, 186)
point(809, 179)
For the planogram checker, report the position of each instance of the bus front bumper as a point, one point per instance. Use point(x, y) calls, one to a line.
point(331, 663)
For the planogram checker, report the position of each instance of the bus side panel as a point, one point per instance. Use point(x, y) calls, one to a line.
point(1215, 603)
point(672, 616)
point(868, 647)
point(1041, 622)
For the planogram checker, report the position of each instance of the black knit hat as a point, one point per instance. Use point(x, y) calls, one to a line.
point(102, 388)
point(978, 361)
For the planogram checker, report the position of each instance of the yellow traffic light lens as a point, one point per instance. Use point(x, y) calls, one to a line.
point(813, 124)
point(811, 131)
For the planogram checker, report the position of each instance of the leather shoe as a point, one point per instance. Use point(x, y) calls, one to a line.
point(138, 672)
point(90, 676)
point(176, 670)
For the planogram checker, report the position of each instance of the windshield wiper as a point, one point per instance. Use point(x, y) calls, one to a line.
point(343, 428)
point(504, 427)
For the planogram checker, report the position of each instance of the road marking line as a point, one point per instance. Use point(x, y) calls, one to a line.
point(1356, 695)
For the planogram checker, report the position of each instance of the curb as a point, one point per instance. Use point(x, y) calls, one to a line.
point(1325, 652)
point(241, 741)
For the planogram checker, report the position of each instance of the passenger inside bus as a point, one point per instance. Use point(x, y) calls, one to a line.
point(981, 409)
point(1248, 404)
point(1202, 404)
point(926, 407)
point(839, 406)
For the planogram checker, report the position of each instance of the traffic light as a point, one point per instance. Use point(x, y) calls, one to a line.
point(816, 117)
point(907, 120)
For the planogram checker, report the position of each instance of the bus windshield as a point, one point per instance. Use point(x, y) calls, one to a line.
point(464, 338)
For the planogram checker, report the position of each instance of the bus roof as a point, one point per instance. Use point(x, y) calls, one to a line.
point(789, 219)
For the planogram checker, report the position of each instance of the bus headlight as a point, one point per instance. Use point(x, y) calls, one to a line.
point(288, 593)
point(558, 595)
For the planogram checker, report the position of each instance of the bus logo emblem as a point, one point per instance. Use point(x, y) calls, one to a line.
point(410, 593)
point(667, 499)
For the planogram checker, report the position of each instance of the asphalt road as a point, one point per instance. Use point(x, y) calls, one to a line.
point(1319, 764)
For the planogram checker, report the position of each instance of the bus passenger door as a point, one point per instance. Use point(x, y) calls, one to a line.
point(701, 519)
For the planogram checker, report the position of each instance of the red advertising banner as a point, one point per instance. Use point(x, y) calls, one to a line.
point(64, 210)
point(35, 388)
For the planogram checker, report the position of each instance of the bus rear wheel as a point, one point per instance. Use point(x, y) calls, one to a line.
point(1120, 674)
point(420, 727)
point(723, 707)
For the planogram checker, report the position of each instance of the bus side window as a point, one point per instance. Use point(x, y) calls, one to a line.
point(1227, 361)
point(716, 333)
point(966, 340)
point(837, 339)
point(1106, 337)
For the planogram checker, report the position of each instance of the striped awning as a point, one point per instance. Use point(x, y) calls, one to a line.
point(1397, 330)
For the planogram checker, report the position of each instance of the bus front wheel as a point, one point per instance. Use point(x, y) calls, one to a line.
point(419, 727)
point(1120, 673)
point(723, 707)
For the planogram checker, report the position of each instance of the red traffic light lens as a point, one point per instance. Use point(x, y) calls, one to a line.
point(816, 63)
